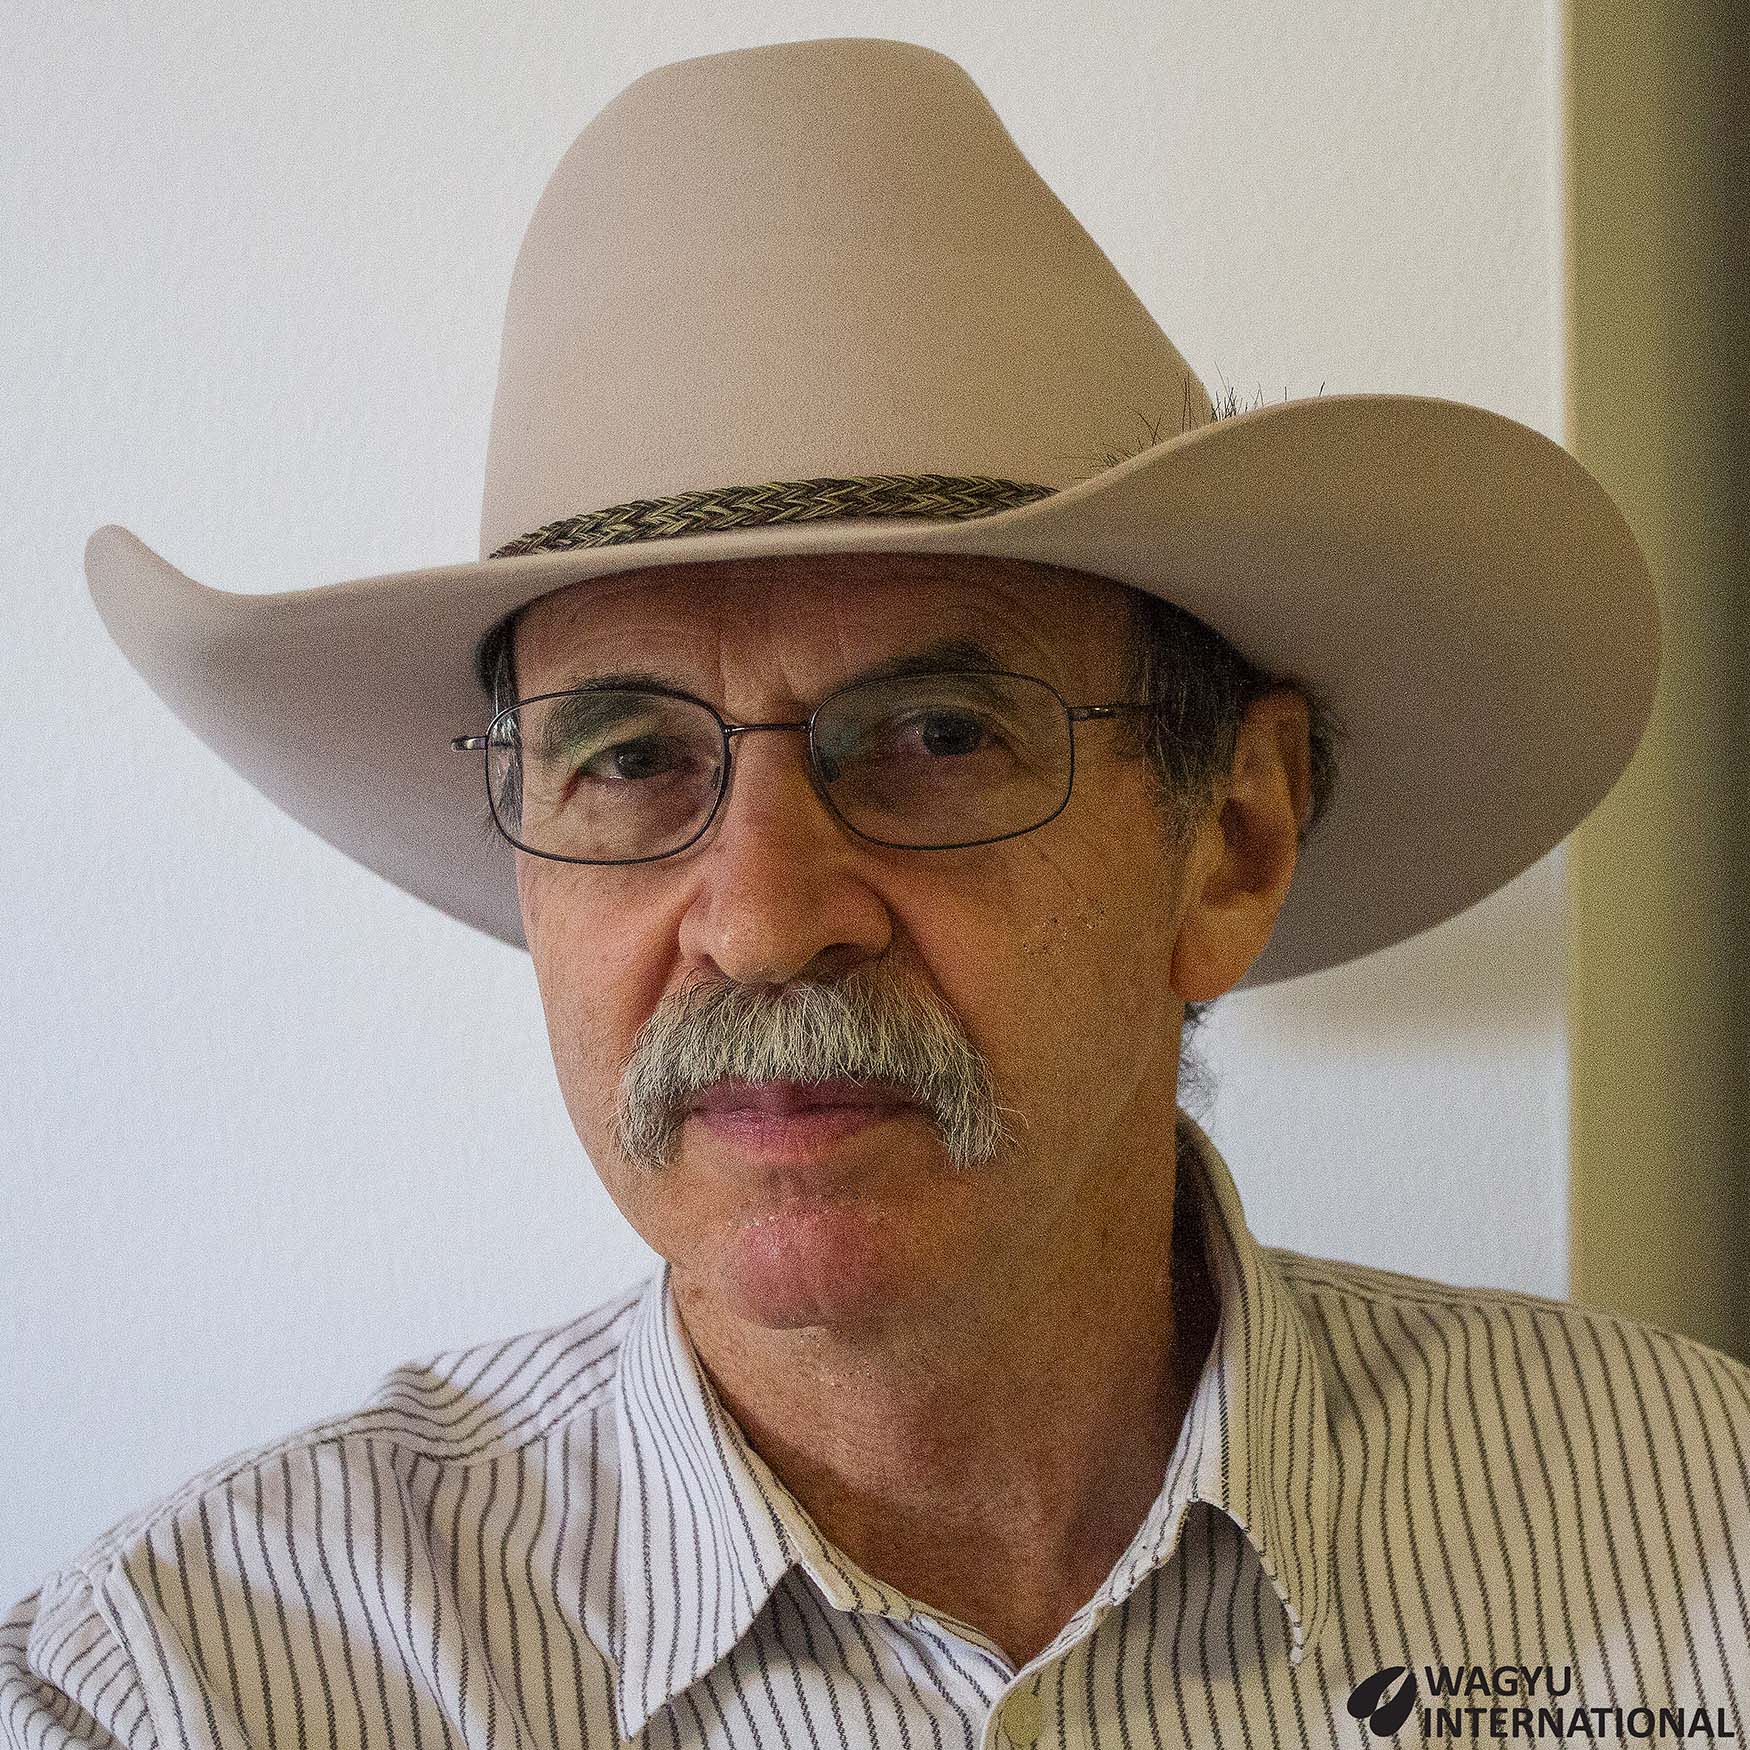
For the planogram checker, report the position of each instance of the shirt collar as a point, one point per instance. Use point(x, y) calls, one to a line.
point(1256, 1442)
point(706, 1531)
point(699, 1546)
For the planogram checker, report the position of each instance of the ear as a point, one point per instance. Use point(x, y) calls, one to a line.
point(1242, 858)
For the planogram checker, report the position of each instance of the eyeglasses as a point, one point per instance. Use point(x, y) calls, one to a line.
point(921, 762)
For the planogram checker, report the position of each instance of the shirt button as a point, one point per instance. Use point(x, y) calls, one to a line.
point(1022, 1718)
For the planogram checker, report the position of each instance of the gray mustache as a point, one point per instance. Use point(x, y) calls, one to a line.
point(877, 1024)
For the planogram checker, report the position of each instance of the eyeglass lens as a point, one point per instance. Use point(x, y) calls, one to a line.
point(930, 761)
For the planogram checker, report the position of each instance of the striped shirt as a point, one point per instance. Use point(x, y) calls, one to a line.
point(1517, 1517)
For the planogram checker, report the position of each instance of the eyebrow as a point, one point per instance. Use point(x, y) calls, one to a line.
point(591, 707)
point(580, 713)
point(940, 656)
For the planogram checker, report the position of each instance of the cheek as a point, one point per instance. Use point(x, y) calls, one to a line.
point(1059, 967)
point(597, 985)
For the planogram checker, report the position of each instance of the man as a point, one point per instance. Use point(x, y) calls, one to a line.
point(883, 786)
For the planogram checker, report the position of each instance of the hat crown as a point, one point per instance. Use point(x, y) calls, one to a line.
point(813, 259)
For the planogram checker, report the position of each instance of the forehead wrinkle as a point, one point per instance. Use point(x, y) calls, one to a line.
point(746, 623)
point(939, 656)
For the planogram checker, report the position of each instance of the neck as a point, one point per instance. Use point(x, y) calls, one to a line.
point(992, 1464)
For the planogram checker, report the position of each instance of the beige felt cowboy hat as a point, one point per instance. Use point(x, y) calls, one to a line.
point(811, 299)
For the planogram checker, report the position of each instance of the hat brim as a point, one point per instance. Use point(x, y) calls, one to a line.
point(1457, 587)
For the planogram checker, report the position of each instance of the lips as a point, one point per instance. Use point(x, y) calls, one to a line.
point(792, 1099)
point(791, 1127)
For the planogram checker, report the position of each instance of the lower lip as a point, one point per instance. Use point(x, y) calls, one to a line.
point(797, 1133)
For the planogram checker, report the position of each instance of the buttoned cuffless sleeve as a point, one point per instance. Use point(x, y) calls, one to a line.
point(66, 1679)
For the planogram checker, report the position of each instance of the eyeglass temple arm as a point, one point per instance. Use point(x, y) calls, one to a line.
point(1092, 713)
point(467, 743)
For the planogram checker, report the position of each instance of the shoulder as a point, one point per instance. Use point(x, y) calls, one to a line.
point(1514, 1472)
point(113, 1641)
point(447, 1412)
point(1577, 1416)
point(1383, 1317)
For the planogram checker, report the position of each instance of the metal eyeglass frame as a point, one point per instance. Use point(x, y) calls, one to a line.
point(1073, 714)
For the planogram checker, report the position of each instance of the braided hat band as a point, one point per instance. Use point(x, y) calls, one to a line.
point(947, 497)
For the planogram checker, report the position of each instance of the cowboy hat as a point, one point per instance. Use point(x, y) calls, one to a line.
point(811, 299)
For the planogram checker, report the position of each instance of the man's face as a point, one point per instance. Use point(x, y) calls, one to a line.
point(1052, 951)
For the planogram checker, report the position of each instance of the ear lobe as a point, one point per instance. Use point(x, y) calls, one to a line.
point(1218, 935)
point(1238, 870)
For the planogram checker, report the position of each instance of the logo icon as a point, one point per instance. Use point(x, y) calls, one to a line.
point(1384, 1713)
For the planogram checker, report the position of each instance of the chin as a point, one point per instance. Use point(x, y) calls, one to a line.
point(812, 1261)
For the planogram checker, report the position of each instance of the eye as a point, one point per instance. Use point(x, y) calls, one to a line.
point(947, 734)
point(644, 757)
point(932, 736)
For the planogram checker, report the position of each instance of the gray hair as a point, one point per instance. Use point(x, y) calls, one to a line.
point(878, 1024)
point(1197, 688)
point(1196, 685)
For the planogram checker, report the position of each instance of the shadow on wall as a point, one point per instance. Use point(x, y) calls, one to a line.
point(1404, 1112)
point(1495, 970)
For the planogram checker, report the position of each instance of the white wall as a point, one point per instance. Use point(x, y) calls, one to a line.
point(268, 1126)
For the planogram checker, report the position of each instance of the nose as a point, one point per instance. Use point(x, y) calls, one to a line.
point(784, 888)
